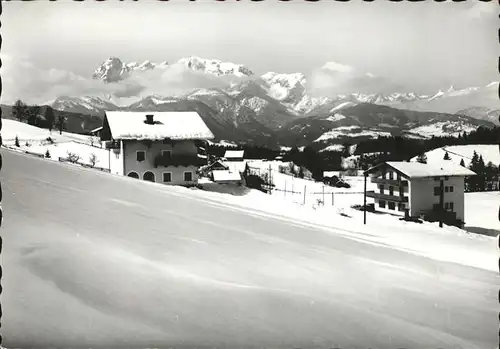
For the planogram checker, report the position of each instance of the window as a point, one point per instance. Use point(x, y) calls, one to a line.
point(381, 204)
point(166, 154)
point(391, 175)
point(391, 191)
point(133, 175)
point(446, 178)
point(140, 155)
point(391, 205)
point(446, 189)
point(452, 206)
point(437, 191)
point(149, 176)
point(188, 176)
point(446, 205)
point(401, 207)
point(382, 189)
point(167, 177)
point(451, 189)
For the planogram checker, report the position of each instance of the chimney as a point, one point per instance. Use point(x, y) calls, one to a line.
point(149, 119)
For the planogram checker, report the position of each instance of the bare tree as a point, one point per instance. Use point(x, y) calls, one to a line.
point(93, 159)
point(61, 123)
point(72, 157)
point(20, 111)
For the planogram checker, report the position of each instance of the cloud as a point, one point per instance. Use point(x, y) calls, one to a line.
point(482, 10)
point(23, 80)
point(334, 78)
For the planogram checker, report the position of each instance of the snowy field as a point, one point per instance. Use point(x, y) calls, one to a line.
point(443, 129)
point(481, 213)
point(34, 140)
point(427, 239)
point(353, 131)
point(118, 261)
point(25, 132)
point(489, 152)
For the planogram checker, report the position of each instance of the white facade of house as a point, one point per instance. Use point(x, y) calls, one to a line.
point(161, 151)
point(423, 198)
point(415, 188)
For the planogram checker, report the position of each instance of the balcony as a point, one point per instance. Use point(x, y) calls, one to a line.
point(395, 198)
point(178, 160)
point(393, 182)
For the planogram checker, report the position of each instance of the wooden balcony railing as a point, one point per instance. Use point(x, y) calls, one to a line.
point(178, 160)
point(393, 182)
point(395, 198)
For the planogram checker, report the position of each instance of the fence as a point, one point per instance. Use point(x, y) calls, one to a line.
point(319, 195)
point(305, 195)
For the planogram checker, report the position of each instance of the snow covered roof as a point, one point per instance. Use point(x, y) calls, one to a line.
point(234, 154)
point(173, 125)
point(96, 129)
point(419, 170)
point(225, 175)
point(331, 173)
point(236, 166)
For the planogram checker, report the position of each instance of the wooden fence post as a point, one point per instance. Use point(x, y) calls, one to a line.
point(323, 196)
point(332, 198)
point(285, 190)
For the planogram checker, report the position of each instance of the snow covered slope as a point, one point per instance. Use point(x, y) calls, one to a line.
point(465, 152)
point(35, 140)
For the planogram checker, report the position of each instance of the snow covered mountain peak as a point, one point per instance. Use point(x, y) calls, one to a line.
point(110, 70)
point(215, 67)
point(288, 88)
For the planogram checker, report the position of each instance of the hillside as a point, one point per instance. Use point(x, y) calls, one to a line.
point(80, 123)
point(365, 121)
point(465, 152)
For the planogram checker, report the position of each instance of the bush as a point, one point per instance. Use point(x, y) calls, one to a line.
point(16, 142)
point(255, 182)
point(50, 140)
point(47, 154)
point(73, 158)
point(93, 159)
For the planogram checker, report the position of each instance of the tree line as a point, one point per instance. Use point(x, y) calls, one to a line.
point(38, 116)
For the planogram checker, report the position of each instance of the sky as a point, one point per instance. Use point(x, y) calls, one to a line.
point(423, 46)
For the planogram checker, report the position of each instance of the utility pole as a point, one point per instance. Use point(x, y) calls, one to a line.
point(270, 181)
point(441, 203)
point(364, 201)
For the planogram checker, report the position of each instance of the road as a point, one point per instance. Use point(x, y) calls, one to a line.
point(91, 259)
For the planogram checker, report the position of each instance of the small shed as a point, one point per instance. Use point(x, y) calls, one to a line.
point(226, 177)
point(234, 155)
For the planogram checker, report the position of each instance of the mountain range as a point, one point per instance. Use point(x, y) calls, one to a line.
point(290, 109)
